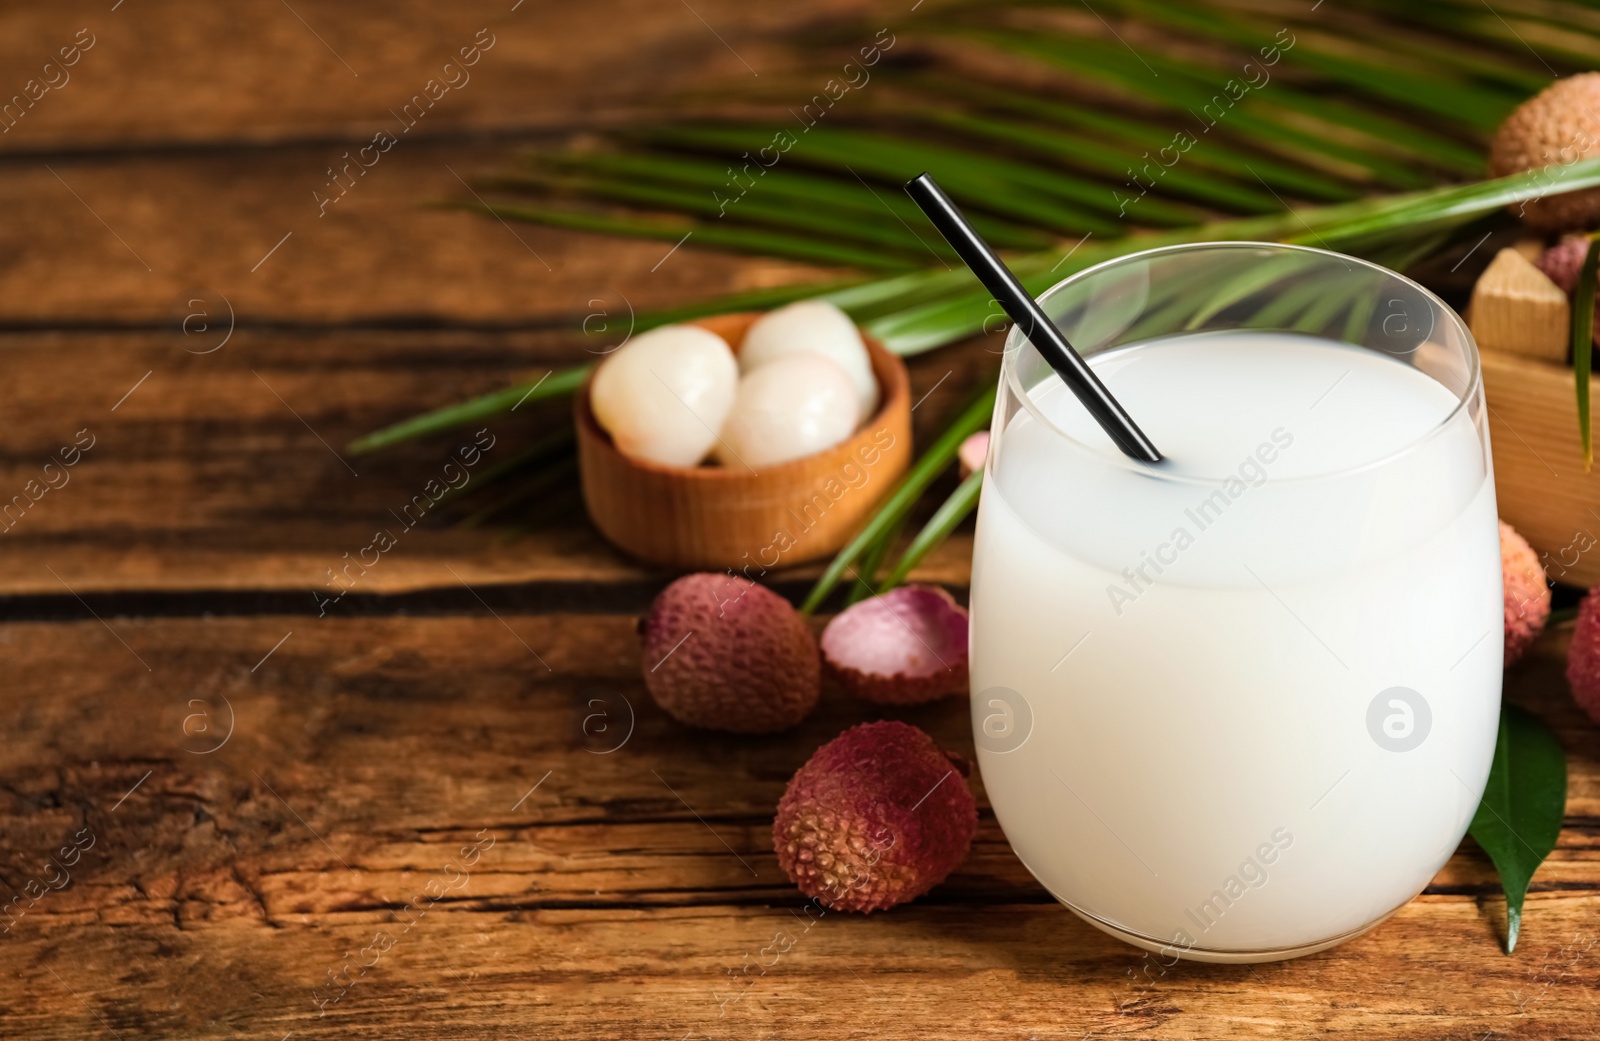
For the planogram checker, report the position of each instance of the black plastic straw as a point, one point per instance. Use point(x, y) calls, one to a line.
point(1031, 319)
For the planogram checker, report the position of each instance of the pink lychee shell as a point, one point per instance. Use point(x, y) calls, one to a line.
point(903, 647)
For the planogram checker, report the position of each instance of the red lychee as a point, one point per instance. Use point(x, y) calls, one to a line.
point(1563, 262)
point(1554, 128)
point(723, 653)
point(877, 817)
point(1583, 656)
point(1527, 595)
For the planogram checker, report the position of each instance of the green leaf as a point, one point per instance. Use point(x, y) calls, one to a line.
point(1583, 344)
point(1117, 162)
point(945, 519)
point(804, 191)
point(1186, 88)
point(974, 417)
point(865, 584)
point(551, 385)
point(1020, 191)
point(1519, 819)
point(881, 229)
point(750, 240)
point(1142, 138)
point(1434, 91)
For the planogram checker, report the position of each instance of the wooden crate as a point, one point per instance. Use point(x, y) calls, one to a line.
point(1543, 489)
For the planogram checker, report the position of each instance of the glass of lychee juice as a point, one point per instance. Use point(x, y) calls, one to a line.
point(1240, 705)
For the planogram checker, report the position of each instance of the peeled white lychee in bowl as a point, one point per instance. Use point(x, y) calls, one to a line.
point(676, 395)
point(791, 471)
point(664, 395)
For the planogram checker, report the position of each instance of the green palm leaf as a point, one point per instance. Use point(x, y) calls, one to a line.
point(1583, 343)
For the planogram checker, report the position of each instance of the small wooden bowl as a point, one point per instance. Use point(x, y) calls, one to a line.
point(715, 517)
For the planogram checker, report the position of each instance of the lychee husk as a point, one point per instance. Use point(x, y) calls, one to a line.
point(721, 652)
point(902, 647)
point(1555, 128)
point(1527, 594)
point(1583, 656)
point(877, 817)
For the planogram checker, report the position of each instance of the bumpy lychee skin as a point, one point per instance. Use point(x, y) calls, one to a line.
point(1563, 262)
point(1554, 128)
point(1583, 656)
point(1527, 594)
point(877, 817)
point(723, 653)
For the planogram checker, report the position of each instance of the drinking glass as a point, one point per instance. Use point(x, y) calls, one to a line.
point(1241, 705)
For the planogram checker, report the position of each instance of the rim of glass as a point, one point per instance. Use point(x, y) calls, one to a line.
point(1008, 365)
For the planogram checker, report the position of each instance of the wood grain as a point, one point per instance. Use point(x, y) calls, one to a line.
point(623, 883)
point(476, 685)
point(1544, 489)
point(161, 503)
point(163, 73)
point(1516, 309)
point(129, 240)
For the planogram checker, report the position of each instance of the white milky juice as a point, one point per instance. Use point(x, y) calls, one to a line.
point(1257, 688)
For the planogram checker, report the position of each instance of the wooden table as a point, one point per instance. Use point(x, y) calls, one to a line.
point(265, 781)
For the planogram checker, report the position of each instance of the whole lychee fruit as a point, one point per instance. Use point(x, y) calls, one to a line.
point(877, 817)
point(1556, 127)
point(1563, 262)
point(1527, 594)
point(723, 653)
point(1583, 656)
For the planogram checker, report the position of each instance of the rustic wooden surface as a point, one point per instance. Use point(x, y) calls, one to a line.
point(474, 689)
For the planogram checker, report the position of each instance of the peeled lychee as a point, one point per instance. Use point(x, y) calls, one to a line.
point(723, 653)
point(813, 326)
point(1583, 656)
point(877, 817)
point(1526, 592)
point(665, 394)
point(790, 408)
point(1555, 128)
point(902, 647)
